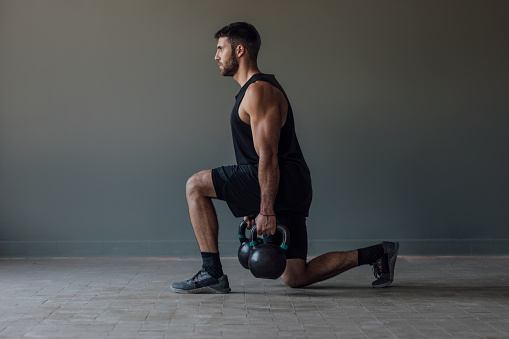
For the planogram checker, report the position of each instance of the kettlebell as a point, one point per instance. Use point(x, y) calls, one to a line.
point(268, 261)
point(244, 248)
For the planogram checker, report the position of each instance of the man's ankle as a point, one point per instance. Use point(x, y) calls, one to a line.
point(369, 255)
point(212, 264)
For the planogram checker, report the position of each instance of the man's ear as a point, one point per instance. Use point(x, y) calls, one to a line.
point(240, 50)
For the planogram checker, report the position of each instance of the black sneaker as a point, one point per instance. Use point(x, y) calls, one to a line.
point(383, 268)
point(202, 283)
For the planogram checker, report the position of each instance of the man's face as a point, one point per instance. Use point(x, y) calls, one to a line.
point(225, 57)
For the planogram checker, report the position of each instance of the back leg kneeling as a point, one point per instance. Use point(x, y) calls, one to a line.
point(298, 273)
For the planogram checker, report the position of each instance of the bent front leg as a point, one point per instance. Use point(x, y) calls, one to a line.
point(199, 194)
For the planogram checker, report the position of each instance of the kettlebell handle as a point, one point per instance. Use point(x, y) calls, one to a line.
point(279, 228)
point(242, 232)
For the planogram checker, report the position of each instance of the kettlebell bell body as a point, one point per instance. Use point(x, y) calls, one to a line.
point(268, 261)
point(244, 248)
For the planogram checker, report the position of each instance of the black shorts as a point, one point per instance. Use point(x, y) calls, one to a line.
point(238, 185)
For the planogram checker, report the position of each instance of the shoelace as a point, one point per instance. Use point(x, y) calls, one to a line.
point(377, 268)
point(199, 276)
point(195, 277)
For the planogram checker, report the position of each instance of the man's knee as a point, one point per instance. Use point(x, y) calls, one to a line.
point(192, 185)
point(294, 273)
point(200, 184)
point(290, 281)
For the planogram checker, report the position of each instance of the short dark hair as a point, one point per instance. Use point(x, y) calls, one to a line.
point(242, 33)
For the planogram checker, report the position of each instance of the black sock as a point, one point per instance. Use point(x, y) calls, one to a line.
point(212, 264)
point(369, 255)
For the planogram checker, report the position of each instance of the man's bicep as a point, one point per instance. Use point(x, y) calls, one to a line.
point(265, 136)
point(265, 117)
point(266, 129)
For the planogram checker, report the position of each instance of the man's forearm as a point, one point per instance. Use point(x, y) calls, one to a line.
point(268, 175)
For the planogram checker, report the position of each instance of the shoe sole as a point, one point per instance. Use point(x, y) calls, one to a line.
point(381, 285)
point(203, 290)
point(392, 260)
point(392, 263)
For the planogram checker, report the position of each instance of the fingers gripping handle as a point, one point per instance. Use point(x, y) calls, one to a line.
point(279, 228)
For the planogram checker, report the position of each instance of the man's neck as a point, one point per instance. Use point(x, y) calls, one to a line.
point(244, 74)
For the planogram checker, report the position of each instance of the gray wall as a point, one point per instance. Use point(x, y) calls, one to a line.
point(107, 107)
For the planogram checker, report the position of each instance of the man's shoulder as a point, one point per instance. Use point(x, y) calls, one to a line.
point(262, 91)
point(260, 87)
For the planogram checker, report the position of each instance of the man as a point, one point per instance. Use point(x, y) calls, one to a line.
point(270, 182)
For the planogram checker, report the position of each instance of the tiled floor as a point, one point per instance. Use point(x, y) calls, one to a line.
point(131, 298)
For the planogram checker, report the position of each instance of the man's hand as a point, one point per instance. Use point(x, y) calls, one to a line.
point(265, 225)
point(250, 221)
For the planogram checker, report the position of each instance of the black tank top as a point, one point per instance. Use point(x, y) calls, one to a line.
point(294, 192)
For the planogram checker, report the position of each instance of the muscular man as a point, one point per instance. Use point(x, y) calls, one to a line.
point(270, 182)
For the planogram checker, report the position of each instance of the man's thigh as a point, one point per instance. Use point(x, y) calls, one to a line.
point(238, 185)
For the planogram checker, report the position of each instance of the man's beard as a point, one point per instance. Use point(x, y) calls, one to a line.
point(230, 67)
